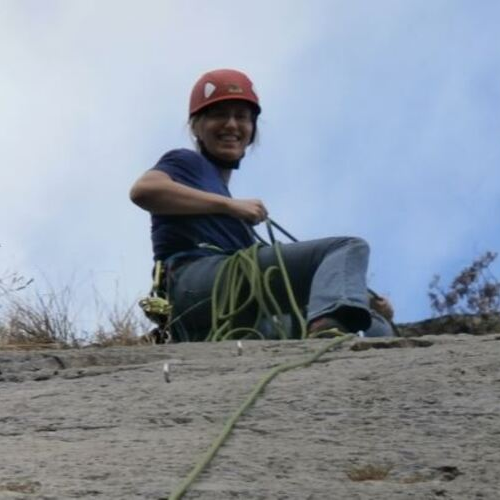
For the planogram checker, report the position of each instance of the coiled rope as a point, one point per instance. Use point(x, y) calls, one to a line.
point(240, 274)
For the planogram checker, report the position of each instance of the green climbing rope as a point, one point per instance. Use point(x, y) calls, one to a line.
point(230, 423)
point(239, 284)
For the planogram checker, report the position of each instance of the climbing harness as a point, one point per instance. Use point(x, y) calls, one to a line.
point(239, 274)
point(238, 286)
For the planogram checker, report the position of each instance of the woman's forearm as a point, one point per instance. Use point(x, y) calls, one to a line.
point(157, 193)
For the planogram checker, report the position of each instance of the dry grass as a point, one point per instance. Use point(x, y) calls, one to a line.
point(124, 328)
point(51, 319)
point(42, 318)
point(369, 472)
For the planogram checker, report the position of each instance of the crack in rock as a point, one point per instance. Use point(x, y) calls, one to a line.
point(364, 345)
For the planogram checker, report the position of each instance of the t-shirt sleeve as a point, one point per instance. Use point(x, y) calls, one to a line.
point(182, 166)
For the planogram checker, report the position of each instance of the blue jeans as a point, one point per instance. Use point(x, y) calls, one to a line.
point(328, 277)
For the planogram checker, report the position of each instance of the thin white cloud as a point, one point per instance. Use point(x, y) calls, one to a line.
point(377, 121)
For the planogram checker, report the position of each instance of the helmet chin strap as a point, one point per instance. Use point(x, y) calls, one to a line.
point(224, 164)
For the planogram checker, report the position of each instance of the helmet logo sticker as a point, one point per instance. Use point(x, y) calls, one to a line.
point(232, 88)
point(209, 89)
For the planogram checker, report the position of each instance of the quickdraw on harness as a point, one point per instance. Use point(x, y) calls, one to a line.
point(157, 307)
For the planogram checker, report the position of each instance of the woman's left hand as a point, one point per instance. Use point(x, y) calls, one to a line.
point(383, 307)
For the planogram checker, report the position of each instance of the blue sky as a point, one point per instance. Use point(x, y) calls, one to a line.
point(380, 119)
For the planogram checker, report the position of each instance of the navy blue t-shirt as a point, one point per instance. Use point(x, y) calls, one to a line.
point(180, 233)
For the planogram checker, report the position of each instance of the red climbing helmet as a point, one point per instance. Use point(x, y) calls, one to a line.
point(222, 85)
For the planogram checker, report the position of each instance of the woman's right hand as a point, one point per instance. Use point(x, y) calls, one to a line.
point(252, 211)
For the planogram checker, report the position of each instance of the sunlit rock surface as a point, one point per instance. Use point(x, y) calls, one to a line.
point(406, 418)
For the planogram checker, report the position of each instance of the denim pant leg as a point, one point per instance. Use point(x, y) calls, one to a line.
point(380, 327)
point(328, 276)
point(190, 288)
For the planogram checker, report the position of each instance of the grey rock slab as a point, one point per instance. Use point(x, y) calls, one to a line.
point(372, 420)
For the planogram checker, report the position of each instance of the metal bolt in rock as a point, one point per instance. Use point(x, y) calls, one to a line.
point(166, 372)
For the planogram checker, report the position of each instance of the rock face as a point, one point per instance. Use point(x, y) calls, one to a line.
point(383, 419)
point(475, 324)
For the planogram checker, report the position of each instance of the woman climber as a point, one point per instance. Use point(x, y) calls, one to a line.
point(197, 225)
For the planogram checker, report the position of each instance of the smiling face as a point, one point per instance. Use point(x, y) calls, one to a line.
point(225, 129)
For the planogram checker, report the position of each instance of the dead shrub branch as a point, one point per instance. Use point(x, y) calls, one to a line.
point(475, 290)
